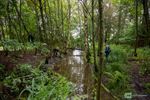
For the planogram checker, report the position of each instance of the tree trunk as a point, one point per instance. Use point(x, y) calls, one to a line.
point(119, 18)
point(20, 21)
point(50, 17)
point(86, 47)
point(2, 30)
point(19, 14)
point(42, 17)
point(93, 38)
point(39, 31)
point(100, 44)
point(136, 30)
point(9, 20)
point(69, 18)
point(62, 18)
point(93, 44)
point(146, 14)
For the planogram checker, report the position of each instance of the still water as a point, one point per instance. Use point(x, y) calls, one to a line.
point(74, 68)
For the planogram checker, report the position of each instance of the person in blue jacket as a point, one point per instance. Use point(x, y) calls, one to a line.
point(107, 52)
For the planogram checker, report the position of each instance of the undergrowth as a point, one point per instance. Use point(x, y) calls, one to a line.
point(143, 53)
point(26, 82)
point(116, 70)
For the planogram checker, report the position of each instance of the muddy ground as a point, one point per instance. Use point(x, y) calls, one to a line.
point(138, 80)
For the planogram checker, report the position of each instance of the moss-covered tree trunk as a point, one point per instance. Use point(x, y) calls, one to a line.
point(93, 36)
point(86, 45)
point(100, 46)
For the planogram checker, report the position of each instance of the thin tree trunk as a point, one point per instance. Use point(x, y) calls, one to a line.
point(42, 16)
point(51, 24)
point(55, 19)
point(16, 8)
point(100, 44)
point(86, 47)
point(62, 19)
point(136, 30)
point(79, 16)
point(58, 16)
point(69, 17)
point(50, 17)
point(46, 22)
point(93, 38)
point(39, 31)
point(93, 44)
point(9, 20)
point(11, 25)
point(119, 18)
point(2, 30)
point(20, 23)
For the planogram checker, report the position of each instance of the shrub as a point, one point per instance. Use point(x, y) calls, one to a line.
point(145, 68)
point(147, 86)
point(112, 67)
point(117, 75)
point(11, 45)
point(36, 84)
point(143, 53)
point(118, 83)
point(118, 54)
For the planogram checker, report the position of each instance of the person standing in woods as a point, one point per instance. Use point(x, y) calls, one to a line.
point(30, 38)
point(107, 52)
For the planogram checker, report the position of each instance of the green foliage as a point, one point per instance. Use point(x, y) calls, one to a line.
point(40, 47)
point(38, 90)
point(147, 86)
point(143, 53)
point(126, 36)
point(145, 68)
point(123, 1)
point(36, 84)
point(117, 78)
point(116, 67)
point(11, 44)
point(14, 45)
point(14, 80)
point(118, 54)
point(3, 4)
point(117, 82)
point(116, 70)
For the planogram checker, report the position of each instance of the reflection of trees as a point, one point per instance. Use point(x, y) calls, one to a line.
point(78, 72)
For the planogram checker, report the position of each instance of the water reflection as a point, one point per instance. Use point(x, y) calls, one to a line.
point(74, 68)
point(76, 52)
point(77, 56)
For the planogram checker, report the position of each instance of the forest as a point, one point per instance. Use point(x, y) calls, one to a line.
point(74, 49)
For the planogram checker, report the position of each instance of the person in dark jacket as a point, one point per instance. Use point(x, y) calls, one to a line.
point(107, 52)
point(30, 38)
